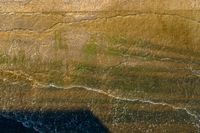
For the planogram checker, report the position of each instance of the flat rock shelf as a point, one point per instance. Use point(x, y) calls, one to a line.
point(99, 66)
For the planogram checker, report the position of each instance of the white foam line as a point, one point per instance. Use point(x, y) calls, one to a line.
point(38, 84)
point(128, 99)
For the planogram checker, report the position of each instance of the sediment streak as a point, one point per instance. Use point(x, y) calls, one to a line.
point(35, 83)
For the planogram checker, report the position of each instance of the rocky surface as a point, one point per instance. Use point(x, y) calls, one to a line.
point(128, 65)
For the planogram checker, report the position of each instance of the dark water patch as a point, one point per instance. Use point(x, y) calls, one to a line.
point(69, 121)
point(12, 126)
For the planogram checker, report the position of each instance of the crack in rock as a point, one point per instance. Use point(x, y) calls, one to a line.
point(101, 18)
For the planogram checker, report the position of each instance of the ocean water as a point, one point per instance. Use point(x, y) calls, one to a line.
point(73, 121)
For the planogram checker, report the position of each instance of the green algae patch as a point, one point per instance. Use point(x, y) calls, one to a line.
point(59, 42)
point(4, 58)
point(114, 52)
point(84, 68)
point(91, 48)
point(58, 39)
